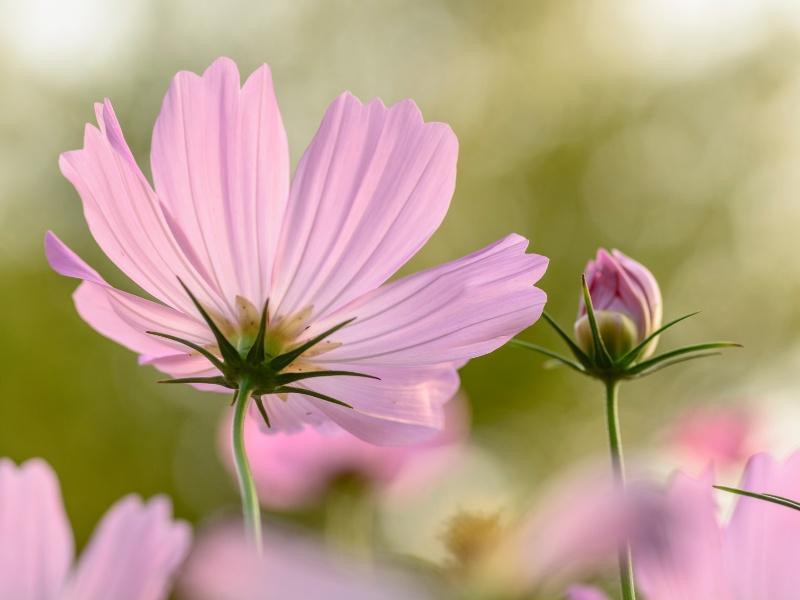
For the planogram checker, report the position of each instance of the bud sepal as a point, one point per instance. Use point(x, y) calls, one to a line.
point(605, 347)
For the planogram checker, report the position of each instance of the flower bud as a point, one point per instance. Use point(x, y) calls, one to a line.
point(617, 331)
point(618, 285)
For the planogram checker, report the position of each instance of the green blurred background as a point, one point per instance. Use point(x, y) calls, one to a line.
point(667, 129)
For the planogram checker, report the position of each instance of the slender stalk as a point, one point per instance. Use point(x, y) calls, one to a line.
point(618, 468)
point(247, 488)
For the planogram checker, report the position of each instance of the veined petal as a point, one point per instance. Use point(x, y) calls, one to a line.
point(372, 187)
point(453, 312)
point(220, 162)
point(133, 554)
point(36, 546)
point(126, 217)
point(405, 406)
point(120, 316)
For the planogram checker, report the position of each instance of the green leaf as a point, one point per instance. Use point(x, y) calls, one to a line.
point(262, 410)
point(554, 355)
point(634, 353)
point(228, 351)
point(765, 497)
point(579, 354)
point(284, 360)
point(256, 353)
point(212, 380)
point(285, 378)
point(306, 392)
point(601, 352)
point(196, 347)
point(681, 351)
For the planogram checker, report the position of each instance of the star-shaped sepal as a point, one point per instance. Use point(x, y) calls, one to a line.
point(256, 371)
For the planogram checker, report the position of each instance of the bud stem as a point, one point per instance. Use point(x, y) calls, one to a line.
point(618, 469)
point(247, 489)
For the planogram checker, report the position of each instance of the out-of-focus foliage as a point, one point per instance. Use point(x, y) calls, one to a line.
point(666, 129)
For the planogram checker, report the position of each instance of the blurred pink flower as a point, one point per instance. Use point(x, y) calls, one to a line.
point(223, 566)
point(686, 553)
point(575, 528)
point(372, 187)
point(294, 469)
point(722, 436)
point(624, 293)
point(133, 554)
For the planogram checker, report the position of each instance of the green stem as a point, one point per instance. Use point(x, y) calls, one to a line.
point(618, 468)
point(247, 488)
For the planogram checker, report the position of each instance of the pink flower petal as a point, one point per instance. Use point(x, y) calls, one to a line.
point(36, 546)
point(220, 163)
point(762, 539)
point(682, 555)
point(223, 567)
point(120, 316)
point(133, 554)
point(405, 406)
point(372, 187)
point(453, 312)
point(126, 217)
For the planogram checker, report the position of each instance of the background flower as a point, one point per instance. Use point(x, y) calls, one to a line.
point(133, 554)
point(223, 566)
point(687, 552)
point(294, 469)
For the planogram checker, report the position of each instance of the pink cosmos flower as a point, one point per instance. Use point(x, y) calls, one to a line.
point(294, 469)
point(133, 554)
point(223, 220)
point(721, 436)
point(625, 296)
point(223, 566)
point(686, 553)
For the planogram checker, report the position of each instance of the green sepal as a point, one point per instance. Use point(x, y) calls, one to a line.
point(229, 353)
point(296, 390)
point(211, 380)
point(257, 353)
point(656, 360)
point(634, 353)
point(582, 357)
point(282, 361)
point(284, 378)
point(669, 363)
point(549, 353)
point(766, 497)
point(263, 411)
point(196, 347)
point(601, 353)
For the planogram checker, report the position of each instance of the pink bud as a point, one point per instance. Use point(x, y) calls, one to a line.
point(619, 284)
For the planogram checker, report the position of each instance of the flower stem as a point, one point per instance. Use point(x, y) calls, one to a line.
point(247, 488)
point(618, 469)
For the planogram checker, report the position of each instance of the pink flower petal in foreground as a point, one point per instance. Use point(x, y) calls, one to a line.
point(689, 554)
point(371, 188)
point(223, 566)
point(292, 470)
point(132, 555)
